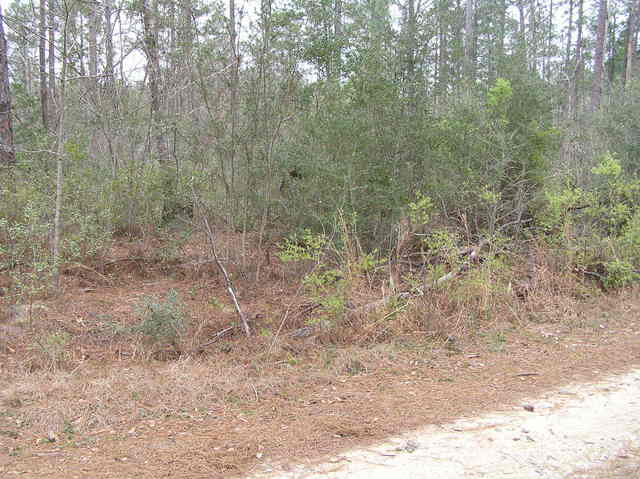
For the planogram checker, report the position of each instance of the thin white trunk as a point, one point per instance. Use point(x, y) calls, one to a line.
point(57, 224)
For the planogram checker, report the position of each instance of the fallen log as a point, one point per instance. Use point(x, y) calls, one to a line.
point(473, 255)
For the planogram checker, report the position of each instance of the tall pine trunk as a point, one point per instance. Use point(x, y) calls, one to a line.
point(598, 73)
point(108, 43)
point(578, 65)
point(7, 154)
point(52, 57)
point(631, 46)
point(93, 43)
point(149, 20)
point(42, 51)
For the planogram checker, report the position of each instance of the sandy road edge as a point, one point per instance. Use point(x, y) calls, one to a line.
point(573, 428)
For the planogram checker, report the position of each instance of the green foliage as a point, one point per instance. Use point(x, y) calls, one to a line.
point(497, 340)
point(369, 263)
point(352, 103)
point(619, 273)
point(608, 168)
point(306, 246)
point(615, 197)
point(54, 346)
point(329, 289)
point(629, 239)
point(421, 210)
point(161, 321)
point(489, 157)
point(443, 245)
point(24, 251)
point(499, 97)
point(558, 207)
point(134, 197)
point(618, 127)
point(598, 227)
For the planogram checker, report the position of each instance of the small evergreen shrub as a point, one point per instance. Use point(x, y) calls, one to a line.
point(162, 321)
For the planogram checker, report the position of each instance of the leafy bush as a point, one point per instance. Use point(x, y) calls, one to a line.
point(306, 246)
point(162, 321)
point(54, 346)
point(619, 273)
point(598, 227)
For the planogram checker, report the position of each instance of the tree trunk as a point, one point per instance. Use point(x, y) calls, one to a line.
point(577, 73)
point(612, 44)
point(567, 60)
point(596, 90)
point(44, 90)
point(149, 20)
point(76, 30)
point(410, 52)
point(52, 58)
point(7, 153)
point(108, 41)
point(500, 41)
point(233, 90)
point(468, 42)
point(26, 58)
point(93, 42)
point(57, 222)
point(631, 47)
point(547, 72)
point(443, 45)
point(522, 32)
point(338, 34)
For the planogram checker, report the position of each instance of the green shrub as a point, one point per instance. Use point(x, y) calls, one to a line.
point(305, 246)
point(619, 273)
point(598, 227)
point(162, 321)
point(54, 346)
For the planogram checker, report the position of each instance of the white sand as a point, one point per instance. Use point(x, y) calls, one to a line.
point(575, 428)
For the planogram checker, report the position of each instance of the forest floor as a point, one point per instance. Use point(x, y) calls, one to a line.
point(79, 400)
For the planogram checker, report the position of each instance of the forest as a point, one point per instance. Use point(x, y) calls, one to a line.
point(234, 233)
point(406, 142)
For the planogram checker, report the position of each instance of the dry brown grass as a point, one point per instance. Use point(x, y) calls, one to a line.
point(356, 378)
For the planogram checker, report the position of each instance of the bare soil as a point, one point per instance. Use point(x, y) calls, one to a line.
point(109, 405)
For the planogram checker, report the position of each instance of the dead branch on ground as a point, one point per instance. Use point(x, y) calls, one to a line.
point(232, 294)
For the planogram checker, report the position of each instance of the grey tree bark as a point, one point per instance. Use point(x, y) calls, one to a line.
point(7, 153)
point(338, 34)
point(549, 53)
point(93, 42)
point(469, 61)
point(52, 57)
point(567, 60)
point(598, 73)
point(578, 65)
point(108, 42)
point(522, 32)
point(149, 20)
point(44, 90)
point(57, 222)
point(409, 53)
point(631, 46)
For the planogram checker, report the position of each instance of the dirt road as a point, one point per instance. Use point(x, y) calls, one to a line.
point(579, 431)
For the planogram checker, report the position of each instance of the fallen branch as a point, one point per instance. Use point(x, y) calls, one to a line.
point(227, 279)
point(219, 335)
point(85, 267)
point(472, 254)
point(121, 260)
